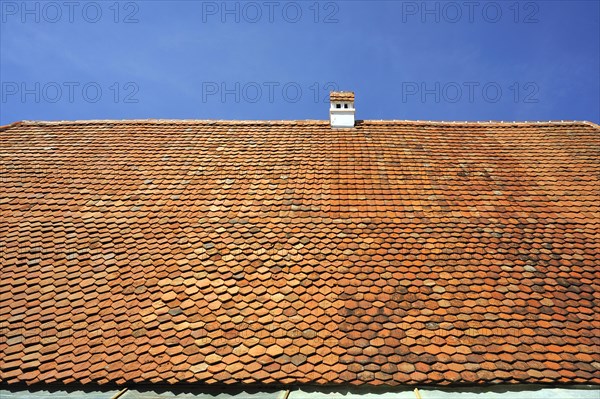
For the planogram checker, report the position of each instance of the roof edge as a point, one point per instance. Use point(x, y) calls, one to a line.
point(184, 387)
point(303, 121)
point(10, 125)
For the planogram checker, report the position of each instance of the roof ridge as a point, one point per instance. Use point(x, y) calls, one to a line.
point(8, 126)
point(299, 121)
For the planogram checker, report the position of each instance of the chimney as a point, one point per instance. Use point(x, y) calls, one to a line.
point(341, 111)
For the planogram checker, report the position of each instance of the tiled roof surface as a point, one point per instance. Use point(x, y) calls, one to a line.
point(288, 252)
point(341, 96)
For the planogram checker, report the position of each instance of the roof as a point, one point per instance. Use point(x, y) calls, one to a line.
point(341, 96)
point(291, 253)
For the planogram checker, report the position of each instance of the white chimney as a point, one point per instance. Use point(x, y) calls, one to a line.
point(341, 112)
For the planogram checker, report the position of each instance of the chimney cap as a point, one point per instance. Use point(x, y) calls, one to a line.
point(341, 96)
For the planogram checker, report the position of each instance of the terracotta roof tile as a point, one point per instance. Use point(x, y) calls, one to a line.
point(287, 252)
point(341, 96)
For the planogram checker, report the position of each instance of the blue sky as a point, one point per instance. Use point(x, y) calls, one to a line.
point(415, 60)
